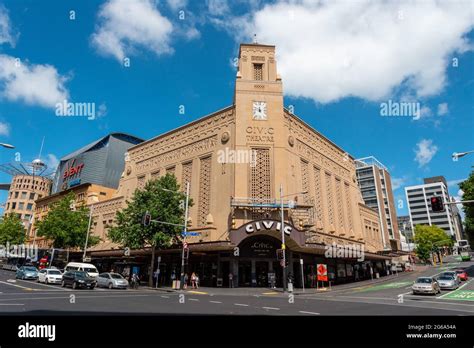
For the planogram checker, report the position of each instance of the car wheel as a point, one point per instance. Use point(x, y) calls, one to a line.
point(111, 286)
point(63, 284)
point(74, 285)
point(92, 287)
point(46, 281)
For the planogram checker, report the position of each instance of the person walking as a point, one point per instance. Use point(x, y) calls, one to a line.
point(185, 285)
point(193, 280)
point(231, 280)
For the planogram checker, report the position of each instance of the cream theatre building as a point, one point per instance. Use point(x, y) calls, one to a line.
point(236, 211)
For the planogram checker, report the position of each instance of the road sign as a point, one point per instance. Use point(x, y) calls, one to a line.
point(87, 259)
point(192, 234)
point(322, 272)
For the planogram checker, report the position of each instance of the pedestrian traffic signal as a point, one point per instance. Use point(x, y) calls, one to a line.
point(147, 219)
point(437, 204)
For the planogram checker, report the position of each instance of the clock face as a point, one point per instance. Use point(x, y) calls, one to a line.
point(259, 110)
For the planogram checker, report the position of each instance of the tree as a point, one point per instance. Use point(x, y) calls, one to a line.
point(467, 187)
point(428, 239)
point(163, 205)
point(12, 230)
point(67, 227)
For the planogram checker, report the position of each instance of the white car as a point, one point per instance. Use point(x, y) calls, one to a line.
point(50, 276)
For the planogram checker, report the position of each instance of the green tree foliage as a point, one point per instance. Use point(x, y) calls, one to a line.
point(163, 205)
point(467, 187)
point(12, 230)
point(66, 227)
point(428, 239)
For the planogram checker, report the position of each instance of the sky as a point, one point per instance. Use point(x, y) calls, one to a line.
point(150, 66)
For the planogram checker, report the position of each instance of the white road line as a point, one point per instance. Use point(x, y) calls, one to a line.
point(271, 308)
point(304, 312)
point(215, 301)
point(241, 304)
point(165, 296)
point(193, 299)
point(11, 304)
point(18, 286)
point(60, 297)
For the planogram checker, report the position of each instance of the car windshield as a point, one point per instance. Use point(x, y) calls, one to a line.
point(445, 278)
point(116, 276)
point(30, 269)
point(424, 280)
point(459, 271)
point(54, 272)
point(81, 274)
point(93, 270)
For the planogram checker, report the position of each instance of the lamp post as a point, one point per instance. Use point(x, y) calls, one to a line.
point(283, 246)
point(88, 231)
point(457, 155)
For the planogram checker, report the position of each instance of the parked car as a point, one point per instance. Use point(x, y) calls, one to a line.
point(84, 267)
point(112, 281)
point(461, 274)
point(426, 285)
point(50, 276)
point(448, 282)
point(27, 272)
point(465, 256)
point(78, 279)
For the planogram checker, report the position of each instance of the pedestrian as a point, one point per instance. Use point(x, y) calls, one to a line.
point(186, 281)
point(197, 281)
point(231, 280)
point(193, 280)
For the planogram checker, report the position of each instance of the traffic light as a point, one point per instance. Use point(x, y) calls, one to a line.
point(437, 204)
point(147, 219)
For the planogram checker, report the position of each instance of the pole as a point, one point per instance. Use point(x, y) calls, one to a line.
point(181, 286)
point(158, 272)
point(88, 229)
point(302, 275)
point(283, 237)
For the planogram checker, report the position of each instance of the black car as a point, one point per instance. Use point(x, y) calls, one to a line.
point(78, 279)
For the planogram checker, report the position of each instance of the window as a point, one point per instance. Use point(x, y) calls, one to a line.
point(21, 205)
point(32, 196)
point(16, 194)
point(258, 72)
point(13, 205)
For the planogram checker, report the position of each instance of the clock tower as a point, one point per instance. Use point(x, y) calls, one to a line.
point(258, 101)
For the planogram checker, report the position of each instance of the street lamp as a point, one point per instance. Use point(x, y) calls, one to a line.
point(8, 146)
point(283, 246)
point(457, 155)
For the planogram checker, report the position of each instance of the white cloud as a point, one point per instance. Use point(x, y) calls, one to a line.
point(177, 4)
point(328, 50)
point(442, 109)
point(455, 182)
point(35, 84)
point(397, 183)
point(425, 151)
point(218, 7)
point(52, 162)
point(4, 129)
point(425, 112)
point(127, 26)
point(102, 110)
point(6, 35)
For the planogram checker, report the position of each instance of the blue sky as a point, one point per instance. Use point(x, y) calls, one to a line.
point(339, 61)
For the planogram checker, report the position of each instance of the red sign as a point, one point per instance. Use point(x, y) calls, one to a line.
point(322, 272)
point(72, 170)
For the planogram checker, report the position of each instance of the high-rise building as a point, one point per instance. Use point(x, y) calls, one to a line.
point(406, 232)
point(419, 206)
point(376, 187)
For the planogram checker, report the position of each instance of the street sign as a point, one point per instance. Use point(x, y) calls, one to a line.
point(322, 272)
point(190, 234)
point(86, 259)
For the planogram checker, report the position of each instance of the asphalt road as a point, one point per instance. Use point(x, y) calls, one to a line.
point(392, 297)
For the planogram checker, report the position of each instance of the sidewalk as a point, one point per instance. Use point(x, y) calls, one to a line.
point(279, 291)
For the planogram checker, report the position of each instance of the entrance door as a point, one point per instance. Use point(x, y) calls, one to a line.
point(261, 271)
point(245, 273)
point(278, 270)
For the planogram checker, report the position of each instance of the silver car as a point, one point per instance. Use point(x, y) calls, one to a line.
point(112, 281)
point(448, 282)
point(425, 285)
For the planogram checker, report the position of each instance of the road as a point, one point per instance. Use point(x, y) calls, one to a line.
point(391, 297)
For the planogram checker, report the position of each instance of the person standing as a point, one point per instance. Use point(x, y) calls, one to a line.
point(231, 280)
point(193, 280)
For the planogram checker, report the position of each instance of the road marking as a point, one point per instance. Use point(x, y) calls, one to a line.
point(241, 304)
point(197, 292)
point(304, 312)
point(60, 297)
point(270, 293)
point(165, 296)
point(193, 299)
point(18, 286)
point(11, 280)
point(215, 301)
point(271, 308)
point(11, 304)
